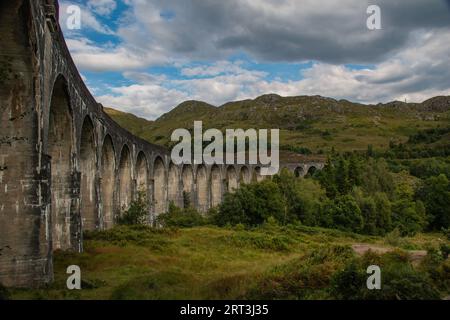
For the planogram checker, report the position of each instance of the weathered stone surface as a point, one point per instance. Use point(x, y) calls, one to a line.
point(65, 165)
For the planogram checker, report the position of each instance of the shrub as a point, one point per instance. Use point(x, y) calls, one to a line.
point(4, 294)
point(346, 284)
point(399, 281)
point(306, 277)
point(446, 232)
point(137, 212)
point(436, 265)
point(394, 238)
point(177, 217)
point(260, 241)
point(141, 235)
point(445, 250)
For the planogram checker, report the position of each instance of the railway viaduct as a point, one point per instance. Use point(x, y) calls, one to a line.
point(65, 165)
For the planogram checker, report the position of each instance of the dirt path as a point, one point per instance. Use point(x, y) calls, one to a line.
point(361, 248)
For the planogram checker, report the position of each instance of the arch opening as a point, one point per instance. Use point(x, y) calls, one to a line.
point(299, 172)
point(311, 171)
point(232, 180)
point(124, 179)
point(159, 187)
point(202, 189)
point(245, 177)
point(142, 174)
point(216, 186)
point(174, 186)
point(88, 170)
point(188, 185)
point(257, 177)
point(107, 182)
point(60, 150)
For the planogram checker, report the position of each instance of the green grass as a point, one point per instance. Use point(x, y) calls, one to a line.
point(206, 262)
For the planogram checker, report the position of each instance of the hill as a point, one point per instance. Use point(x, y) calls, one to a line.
point(137, 126)
point(314, 123)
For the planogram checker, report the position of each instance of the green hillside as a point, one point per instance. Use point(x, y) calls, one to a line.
point(137, 126)
point(313, 122)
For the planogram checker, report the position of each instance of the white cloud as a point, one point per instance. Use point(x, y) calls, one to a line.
point(88, 20)
point(415, 74)
point(89, 56)
point(102, 7)
point(149, 101)
point(220, 67)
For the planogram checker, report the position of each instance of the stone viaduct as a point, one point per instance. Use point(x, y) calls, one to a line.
point(65, 165)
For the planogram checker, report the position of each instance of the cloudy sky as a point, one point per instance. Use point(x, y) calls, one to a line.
point(147, 56)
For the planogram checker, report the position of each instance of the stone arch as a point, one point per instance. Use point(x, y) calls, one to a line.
point(257, 177)
point(159, 186)
point(125, 192)
point(187, 178)
point(232, 179)
point(174, 185)
point(298, 172)
point(108, 166)
point(216, 186)
point(60, 139)
point(202, 189)
point(311, 171)
point(88, 173)
point(142, 174)
point(245, 176)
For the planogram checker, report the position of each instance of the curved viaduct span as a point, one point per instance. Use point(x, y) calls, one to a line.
point(66, 166)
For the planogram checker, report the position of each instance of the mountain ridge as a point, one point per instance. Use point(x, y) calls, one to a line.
point(314, 122)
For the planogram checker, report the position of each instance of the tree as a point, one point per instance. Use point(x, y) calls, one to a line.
point(253, 204)
point(137, 212)
point(408, 216)
point(345, 213)
point(309, 196)
point(370, 152)
point(354, 171)
point(435, 195)
point(384, 213)
point(342, 176)
point(286, 182)
point(376, 177)
point(327, 178)
point(369, 213)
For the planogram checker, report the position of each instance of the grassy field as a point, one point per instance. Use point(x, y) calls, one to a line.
point(213, 263)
